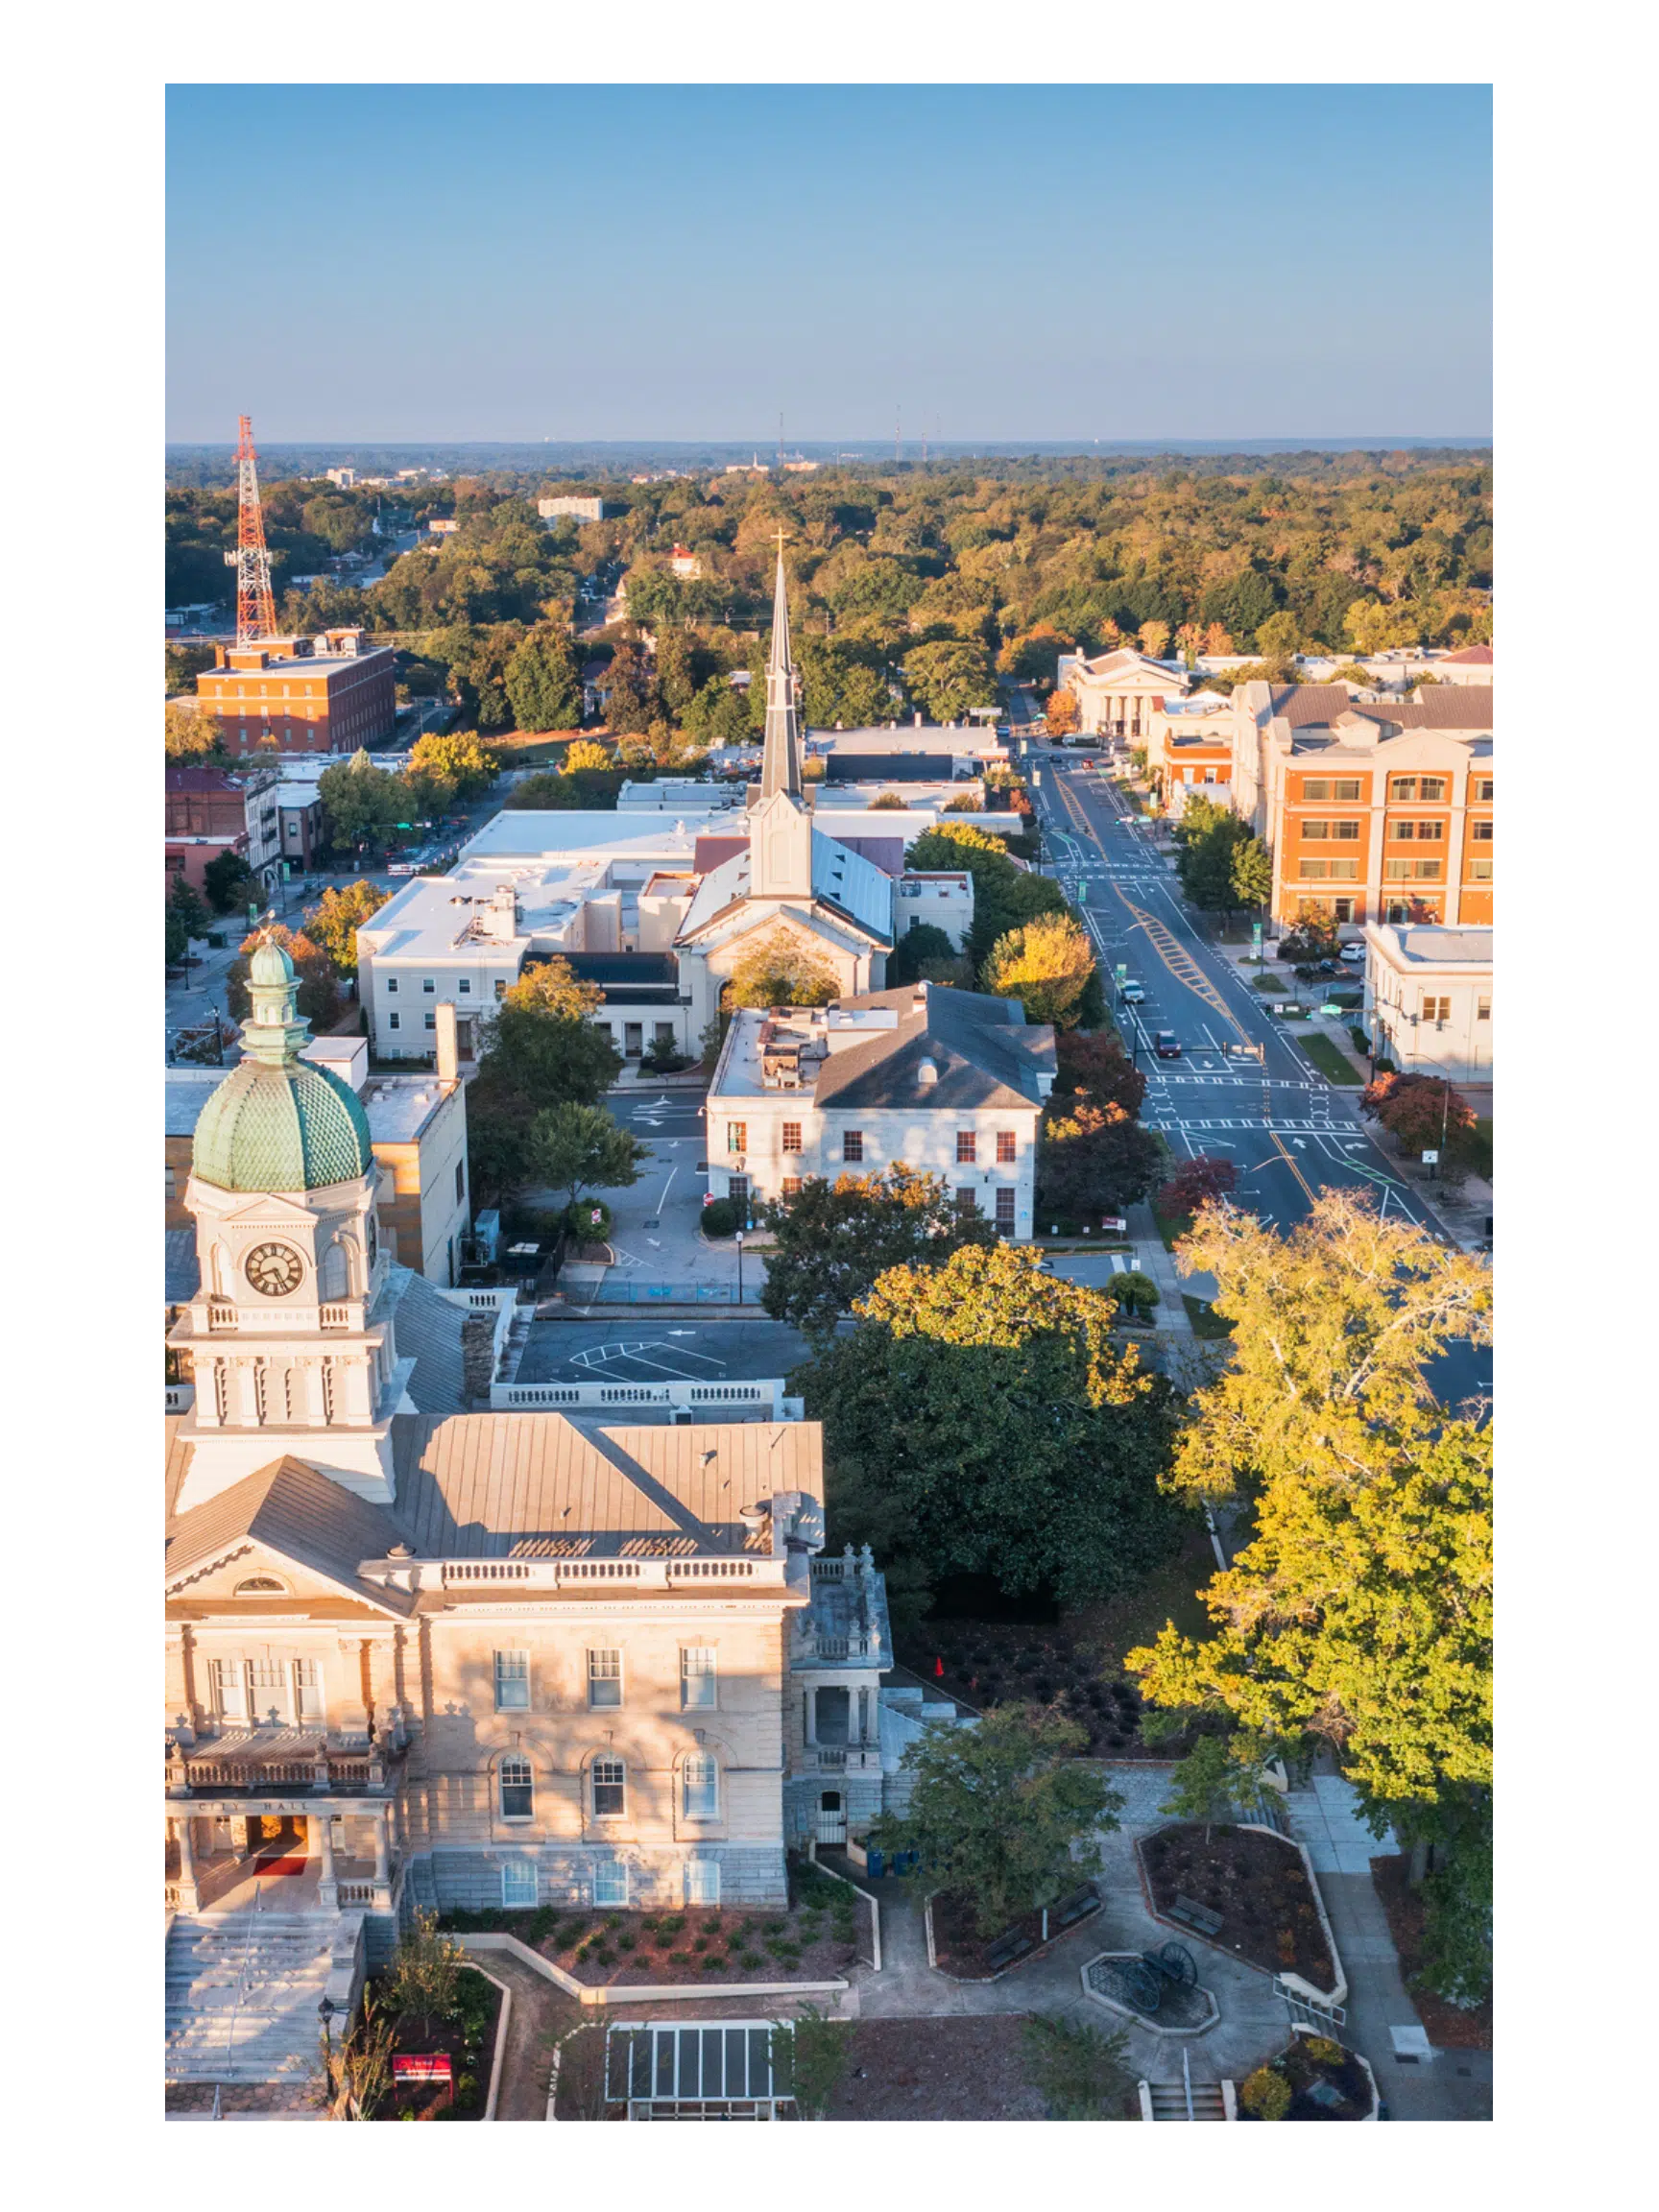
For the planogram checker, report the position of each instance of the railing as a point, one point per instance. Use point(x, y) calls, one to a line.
point(355, 1892)
point(526, 1397)
point(658, 1574)
point(843, 1759)
point(485, 1301)
point(213, 1770)
point(221, 1316)
point(334, 1316)
point(180, 1397)
point(170, 1894)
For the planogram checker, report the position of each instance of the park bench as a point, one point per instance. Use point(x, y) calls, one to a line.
point(1007, 1948)
point(1197, 1917)
point(1073, 1908)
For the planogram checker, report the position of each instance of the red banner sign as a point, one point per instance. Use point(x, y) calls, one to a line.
point(434, 2067)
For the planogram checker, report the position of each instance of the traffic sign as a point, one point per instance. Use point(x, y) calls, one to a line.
point(1256, 938)
point(1431, 1159)
point(1121, 970)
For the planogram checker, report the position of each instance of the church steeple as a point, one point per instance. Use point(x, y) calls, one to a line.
point(781, 768)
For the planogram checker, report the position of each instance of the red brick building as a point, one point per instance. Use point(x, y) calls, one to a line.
point(326, 694)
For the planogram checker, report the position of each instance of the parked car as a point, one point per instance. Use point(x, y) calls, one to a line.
point(1166, 1044)
point(1352, 952)
point(1132, 994)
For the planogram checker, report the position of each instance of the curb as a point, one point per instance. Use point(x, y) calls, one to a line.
point(1338, 1996)
point(1037, 1949)
point(644, 1992)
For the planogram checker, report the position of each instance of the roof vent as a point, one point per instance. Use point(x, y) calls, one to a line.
point(927, 1072)
point(399, 1551)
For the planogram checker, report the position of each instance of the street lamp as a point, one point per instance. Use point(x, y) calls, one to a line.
point(739, 1266)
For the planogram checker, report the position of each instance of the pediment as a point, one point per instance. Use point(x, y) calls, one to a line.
point(257, 1208)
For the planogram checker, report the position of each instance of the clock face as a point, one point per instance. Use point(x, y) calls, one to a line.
point(275, 1269)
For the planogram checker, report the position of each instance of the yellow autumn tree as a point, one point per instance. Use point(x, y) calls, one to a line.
point(1065, 718)
point(1046, 965)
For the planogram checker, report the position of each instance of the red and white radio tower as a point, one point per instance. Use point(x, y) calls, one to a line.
point(255, 609)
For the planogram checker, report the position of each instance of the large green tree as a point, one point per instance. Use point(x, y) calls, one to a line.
point(360, 802)
point(1359, 1614)
point(541, 1049)
point(574, 1147)
point(542, 680)
point(1003, 1812)
point(833, 1239)
point(981, 1419)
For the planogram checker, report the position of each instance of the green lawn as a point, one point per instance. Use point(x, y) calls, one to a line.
point(1207, 1325)
point(1331, 1060)
point(1171, 1227)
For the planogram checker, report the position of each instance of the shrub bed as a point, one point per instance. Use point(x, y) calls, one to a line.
point(816, 1940)
point(1012, 1663)
point(1259, 1886)
point(468, 2035)
point(1449, 2027)
point(1314, 2079)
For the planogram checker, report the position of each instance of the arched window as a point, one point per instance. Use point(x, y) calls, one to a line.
point(336, 1278)
point(517, 1790)
point(261, 1586)
point(610, 1789)
point(700, 1787)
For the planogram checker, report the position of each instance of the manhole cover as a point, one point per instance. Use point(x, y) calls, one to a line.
point(655, 1222)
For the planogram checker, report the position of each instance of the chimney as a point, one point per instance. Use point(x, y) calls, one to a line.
point(448, 1056)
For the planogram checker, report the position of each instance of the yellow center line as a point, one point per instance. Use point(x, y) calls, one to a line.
point(1279, 1146)
point(1164, 941)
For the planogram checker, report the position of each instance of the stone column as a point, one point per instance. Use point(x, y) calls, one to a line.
point(321, 1836)
point(382, 1858)
point(189, 1896)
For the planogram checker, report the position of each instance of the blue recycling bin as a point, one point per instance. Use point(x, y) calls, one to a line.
point(878, 1863)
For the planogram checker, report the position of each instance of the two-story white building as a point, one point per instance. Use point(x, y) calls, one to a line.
point(949, 1082)
point(1428, 998)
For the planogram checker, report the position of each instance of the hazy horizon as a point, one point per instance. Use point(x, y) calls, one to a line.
point(1156, 266)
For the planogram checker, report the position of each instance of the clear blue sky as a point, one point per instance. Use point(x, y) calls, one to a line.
point(521, 262)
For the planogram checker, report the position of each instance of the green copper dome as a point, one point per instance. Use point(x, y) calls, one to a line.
point(279, 1122)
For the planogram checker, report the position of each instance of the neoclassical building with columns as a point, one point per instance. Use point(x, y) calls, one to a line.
point(418, 1655)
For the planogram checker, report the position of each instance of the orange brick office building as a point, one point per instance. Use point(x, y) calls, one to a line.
point(1375, 811)
point(325, 694)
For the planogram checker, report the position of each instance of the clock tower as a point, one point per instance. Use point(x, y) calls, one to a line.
point(290, 1346)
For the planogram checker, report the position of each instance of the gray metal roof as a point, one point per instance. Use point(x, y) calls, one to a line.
point(985, 1052)
point(429, 1330)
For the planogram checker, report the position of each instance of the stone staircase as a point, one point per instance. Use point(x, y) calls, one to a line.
point(242, 1994)
point(1167, 2101)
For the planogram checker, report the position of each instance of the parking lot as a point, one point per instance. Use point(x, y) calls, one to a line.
point(664, 1348)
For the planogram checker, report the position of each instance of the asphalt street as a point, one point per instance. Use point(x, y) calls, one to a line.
point(1241, 1089)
